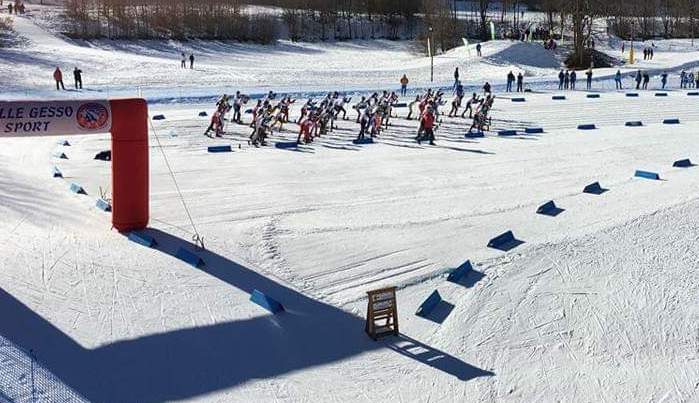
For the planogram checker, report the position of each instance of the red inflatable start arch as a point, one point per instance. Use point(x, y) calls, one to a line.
point(125, 119)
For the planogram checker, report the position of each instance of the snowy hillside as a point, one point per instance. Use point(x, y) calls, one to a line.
point(597, 304)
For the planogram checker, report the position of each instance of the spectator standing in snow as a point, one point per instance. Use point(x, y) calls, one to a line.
point(183, 62)
point(78, 78)
point(566, 80)
point(617, 80)
point(456, 77)
point(9, 8)
point(646, 80)
point(510, 81)
point(696, 78)
point(663, 79)
point(573, 79)
point(478, 50)
point(561, 78)
point(589, 78)
point(191, 62)
point(683, 79)
point(404, 85)
point(639, 78)
point(652, 53)
point(486, 88)
point(520, 82)
point(58, 76)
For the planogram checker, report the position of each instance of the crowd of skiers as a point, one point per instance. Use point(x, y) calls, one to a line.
point(373, 114)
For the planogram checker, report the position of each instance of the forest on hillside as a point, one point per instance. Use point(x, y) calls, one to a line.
point(445, 21)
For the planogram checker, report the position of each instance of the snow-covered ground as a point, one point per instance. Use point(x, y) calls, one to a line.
point(598, 304)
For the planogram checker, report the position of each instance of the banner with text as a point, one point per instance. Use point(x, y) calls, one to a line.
point(54, 118)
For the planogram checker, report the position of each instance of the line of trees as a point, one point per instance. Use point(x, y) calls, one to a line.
point(314, 20)
point(167, 19)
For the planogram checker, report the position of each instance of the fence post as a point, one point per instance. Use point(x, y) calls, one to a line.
point(31, 356)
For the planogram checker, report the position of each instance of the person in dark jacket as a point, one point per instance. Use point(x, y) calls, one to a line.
point(78, 78)
point(573, 79)
point(561, 78)
point(646, 80)
point(589, 78)
point(639, 78)
point(510, 81)
point(191, 61)
point(520, 82)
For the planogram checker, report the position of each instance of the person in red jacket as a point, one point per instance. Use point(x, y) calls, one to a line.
point(427, 125)
point(58, 76)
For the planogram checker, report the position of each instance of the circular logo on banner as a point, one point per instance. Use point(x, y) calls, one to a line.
point(92, 116)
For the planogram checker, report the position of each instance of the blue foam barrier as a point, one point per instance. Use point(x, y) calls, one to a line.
point(457, 274)
point(286, 145)
point(587, 127)
point(527, 90)
point(632, 94)
point(661, 94)
point(103, 205)
point(159, 117)
point(473, 135)
point(248, 111)
point(429, 304)
point(549, 208)
point(220, 149)
point(534, 130)
point(64, 143)
point(634, 123)
point(367, 140)
point(203, 114)
point(594, 188)
point(75, 188)
point(519, 100)
point(189, 257)
point(507, 133)
point(593, 96)
point(142, 239)
point(60, 155)
point(671, 121)
point(693, 94)
point(505, 241)
point(685, 163)
point(266, 302)
point(558, 97)
point(104, 155)
point(646, 175)
point(57, 173)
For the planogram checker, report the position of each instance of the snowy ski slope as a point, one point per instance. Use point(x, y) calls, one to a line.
point(598, 304)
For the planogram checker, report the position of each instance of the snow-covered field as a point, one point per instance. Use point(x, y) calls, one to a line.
point(598, 304)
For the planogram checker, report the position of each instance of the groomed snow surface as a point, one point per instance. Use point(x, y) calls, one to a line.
point(598, 304)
